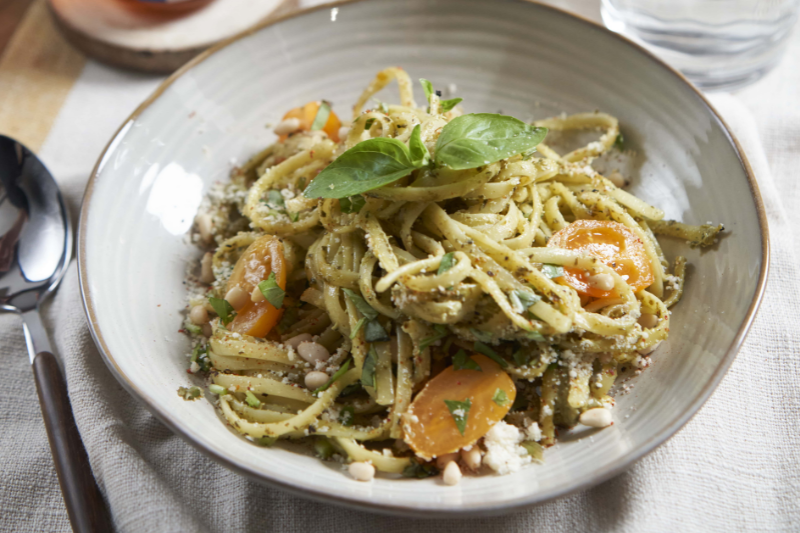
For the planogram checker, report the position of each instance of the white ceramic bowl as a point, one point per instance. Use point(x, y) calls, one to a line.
point(525, 59)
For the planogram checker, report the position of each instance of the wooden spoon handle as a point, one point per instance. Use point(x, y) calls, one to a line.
point(82, 498)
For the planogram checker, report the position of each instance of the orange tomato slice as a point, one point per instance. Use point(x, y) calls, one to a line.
point(614, 244)
point(262, 257)
point(431, 430)
point(306, 115)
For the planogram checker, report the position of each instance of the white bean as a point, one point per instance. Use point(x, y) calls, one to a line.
point(285, 127)
point(648, 320)
point(237, 297)
point(315, 380)
point(206, 272)
point(198, 315)
point(617, 179)
point(598, 417)
point(257, 295)
point(205, 226)
point(602, 281)
point(471, 458)
point(313, 352)
point(443, 460)
point(343, 131)
point(452, 474)
point(295, 341)
point(361, 471)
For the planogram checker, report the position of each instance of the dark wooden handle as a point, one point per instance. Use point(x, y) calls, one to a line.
point(82, 498)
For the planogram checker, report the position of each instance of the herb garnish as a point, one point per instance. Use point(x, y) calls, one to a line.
point(374, 332)
point(360, 323)
point(441, 332)
point(446, 263)
point(190, 394)
point(217, 389)
point(447, 105)
point(267, 441)
point(336, 375)
point(521, 357)
point(483, 336)
point(223, 309)
point(272, 291)
point(368, 371)
point(460, 412)
point(491, 354)
point(347, 415)
point(322, 115)
point(500, 397)
point(361, 304)
point(427, 88)
point(352, 204)
point(619, 142)
point(522, 300)
point(462, 361)
point(419, 470)
point(251, 400)
point(552, 271)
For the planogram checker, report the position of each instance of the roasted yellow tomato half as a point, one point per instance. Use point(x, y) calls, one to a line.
point(306, 115)
point(614, 244)
point(438, 422)
point(262, 257)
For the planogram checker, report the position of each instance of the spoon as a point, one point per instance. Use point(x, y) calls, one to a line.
point(35, 250)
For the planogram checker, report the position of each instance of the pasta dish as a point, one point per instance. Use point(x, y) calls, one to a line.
point(426, 291)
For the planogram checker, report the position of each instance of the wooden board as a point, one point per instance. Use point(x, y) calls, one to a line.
point(127, 34)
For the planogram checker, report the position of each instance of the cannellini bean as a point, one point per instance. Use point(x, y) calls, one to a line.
point(198, 315)
point(452, 474)
point(648, 320)
point(651, 349)
point(361, 471)
point(471, 458)
point(313, 352)
point(343, 131)
point(237, 297)
point(602, 281)
point(295, 341)
point(315, 380)
point(598, 417)
point(257, 295)
point(443, 460)
point(617, 179)
point(206, 272)
point(205, 226)
point(285, 127)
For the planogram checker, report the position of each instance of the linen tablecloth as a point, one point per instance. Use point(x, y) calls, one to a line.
point(734, 467)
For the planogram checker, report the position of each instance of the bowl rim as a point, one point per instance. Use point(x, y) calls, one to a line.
point(318, 494)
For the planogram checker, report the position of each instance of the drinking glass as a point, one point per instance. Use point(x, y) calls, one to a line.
point(717, 44)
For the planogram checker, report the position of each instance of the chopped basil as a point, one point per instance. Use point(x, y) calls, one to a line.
point(368, 124)
point(190, 394)
point(553, 271)
point(462, 361)
point(272, 291)
point(477, 139)
point(368, 372)
point(351, 389)
point(383, 108)
point(619, 142)
point(500, 397)
point(460, 412)
point(446, 263)
point(420, 156)
point(276, 198)
point(218, 390)
point(491, 354)
point(193, 329)
point(419, 470)
point(322, 115)
point(374, 332)
point(353, 204)
point(323, 448)
point(251, 400)
point(288, 319)
point(361, 304)
point(441, 332)
point(427, 88)
point(358, 327)
point(447, 105)
point(347, 415)
point(522, 300)
point(336, 375)
point(294, 217)
point(533, 448)
point(301, 184)
point(521, 357)
point(200, 356)
point(483, 336)
point(267, 441)
point(534, 336)
point(223, 309)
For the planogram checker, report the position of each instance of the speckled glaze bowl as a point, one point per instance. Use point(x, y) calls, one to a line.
point(525, 59)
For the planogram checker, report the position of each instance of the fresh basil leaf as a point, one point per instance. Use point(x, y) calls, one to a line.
point(447, 262)
point(374, 332)
point(217, 389)
point(294, 217)
point(301, 184)
point(368, 124)
point(534, 336)
point(522, 300)
point(419, 152)
point(276, 198)
point(336, 375)
point(322, 115)
point(323, 448)
point(347, 415)
point(352, 204)
point(190, 394)
point(360, 323)
point(427, 88)
point(483, 336)
point(200, 356)
point(553, 271)
point(491, 354)
point(441, 332)
point(619, 142)
point(368, 371)
point(361, 304)
point(251, 400)
point(521, 357)
point(462, 361)
point(477, 139)
point(419, 470)
point(500, 397)
point(223, 309)
point(366, 166)
point(460, 412)
point(447, 105)
point(527, 155)
point(351, 389)
point(272, 291)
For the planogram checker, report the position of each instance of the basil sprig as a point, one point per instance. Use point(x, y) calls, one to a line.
point(223, 309)
point(460, 412)
point(553, 271)
point(444, 105)
point(272, 291)
point(462, 361)
point(446, 263)
point(500, 397)
point(321, 118)
point(368, 370)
